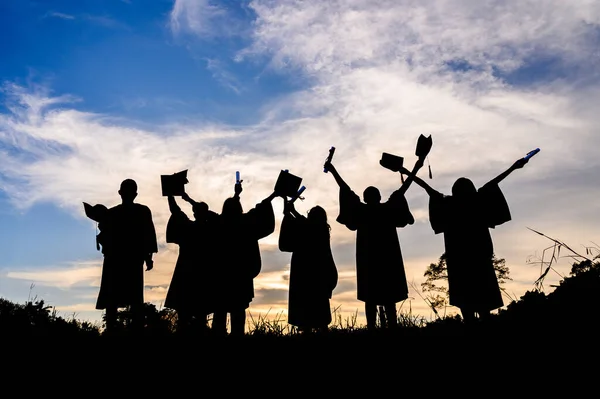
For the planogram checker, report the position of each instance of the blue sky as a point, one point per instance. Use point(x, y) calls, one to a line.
point(85, 49)
point(96, 91)
point(121, 58)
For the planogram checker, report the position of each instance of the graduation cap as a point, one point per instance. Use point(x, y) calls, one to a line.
point(287, 184)
point(174, 184)
point(391, 162)
point(424, 145)
point(97, 212)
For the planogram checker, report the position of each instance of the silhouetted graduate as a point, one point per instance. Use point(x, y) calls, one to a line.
point(190, 292)
point(465, 218)
point(380, 274)
point(239, 260)
point(128, 240)
point(313, 273)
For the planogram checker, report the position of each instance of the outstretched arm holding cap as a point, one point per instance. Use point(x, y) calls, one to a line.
point(412, 175)
point(419, 181)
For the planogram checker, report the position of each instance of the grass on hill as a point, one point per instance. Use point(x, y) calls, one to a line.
point(572, 308)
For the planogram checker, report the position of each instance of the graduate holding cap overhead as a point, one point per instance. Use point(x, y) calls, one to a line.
point(313, 273)
point(190, 293)
point(380, 274)
point(238, 260)
point(465, 218)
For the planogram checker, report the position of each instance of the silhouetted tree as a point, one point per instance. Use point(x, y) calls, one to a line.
point(585, 266)
point(438, 272)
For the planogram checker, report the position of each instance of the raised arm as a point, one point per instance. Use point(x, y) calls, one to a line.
point(419, 181)
point(289, 208)
point(412, 175)
point(237, 189)
point(517, 165)
point(187, 198)
point(331, 169)
point(272, 196)
point(173, 207)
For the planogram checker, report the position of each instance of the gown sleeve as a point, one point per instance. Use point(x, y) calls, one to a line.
point(349, 214)
point(288, 234)
point(150, 241)
point(439, 206)
point(261, 220)
point(177, 226)
point(494, 205)
point(398, 210)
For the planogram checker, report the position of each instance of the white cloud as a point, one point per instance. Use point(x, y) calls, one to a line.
point(200, 17)
point(378, 78)
point(334, 36)
point(81, 273)
point(60, 15)
point(222, 75)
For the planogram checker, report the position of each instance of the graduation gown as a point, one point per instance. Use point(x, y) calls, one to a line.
point(192, 282)
point(238, 257)
point(313, 273)
point(472, 281)
point(127, 236)
point(380, 275)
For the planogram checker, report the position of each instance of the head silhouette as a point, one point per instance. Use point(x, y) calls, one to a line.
point(371, 195)
point(200, 210)
point(317, 217)
point(463, 188)
point(128, 190)
point(232, 207)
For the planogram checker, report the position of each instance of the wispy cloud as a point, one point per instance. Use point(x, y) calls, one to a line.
point(106, 21)
point(60, 15)
point(197, 16)
point(207, 19)
point(222, 75)
point(99, 20)
point(85, 273)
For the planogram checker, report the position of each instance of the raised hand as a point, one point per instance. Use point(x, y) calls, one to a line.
point(404, 171)
point(520, 163)
point(238, 188)
point(328, 166)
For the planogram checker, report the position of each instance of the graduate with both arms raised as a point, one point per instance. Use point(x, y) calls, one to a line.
point(190, 293)
point(313, 273)
point(238, 258)
point(465, 218)
point(380, 275)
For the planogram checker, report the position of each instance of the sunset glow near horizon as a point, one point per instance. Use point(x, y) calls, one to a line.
point(95, 92)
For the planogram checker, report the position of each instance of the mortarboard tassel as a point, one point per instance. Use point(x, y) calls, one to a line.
point(429, 166)
point(97, 243)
